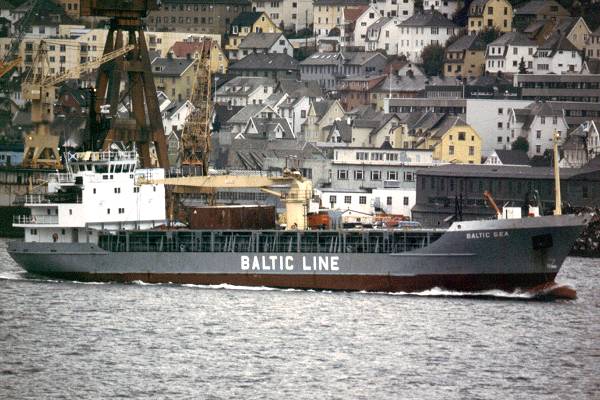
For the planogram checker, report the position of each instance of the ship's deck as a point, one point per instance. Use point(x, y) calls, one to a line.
point(317, 241)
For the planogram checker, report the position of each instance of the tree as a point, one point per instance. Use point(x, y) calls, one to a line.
point(521, 144)
point(488, 35)
point(522, 66)
point(433, 59)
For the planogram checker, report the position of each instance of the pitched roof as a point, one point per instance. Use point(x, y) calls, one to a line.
point(267, 127)
point(321, 107)
point(447, 123)
point(250, 153)
point(351, 14)
point(343, 129)
point(512, 157)
point(295, 88)
point(428, 18)
point(244, 85)
point(246, 18)
point(341, 3)
point(170, 66)
point(182, 49)
point(361, 57)
point(244, 115)
point(535, 7)
point(467, 42)
point(556, 42)
point(513, 39)
point(378, 24)
point(324, 58)
point(272, 61)
point(224, 112)
point(496, 171)
point(259, 40)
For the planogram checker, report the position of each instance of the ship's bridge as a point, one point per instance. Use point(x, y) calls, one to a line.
point(98, 190)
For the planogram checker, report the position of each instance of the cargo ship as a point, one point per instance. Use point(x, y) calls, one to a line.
point(106, 220)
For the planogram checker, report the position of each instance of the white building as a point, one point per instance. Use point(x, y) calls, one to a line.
point(263, 43)
point(103, 194)
point(295, 111)
point(421, 30)
point(506, 53)
point(289, 14)
point(490, 118)
point(245, 90)
point(400, 9)
point(537, 123)
point(581, 146)
point(382, 35)
point(557, 55)
point(445, 7)
point(174, 118)
point(395, 201)
point(366, 19)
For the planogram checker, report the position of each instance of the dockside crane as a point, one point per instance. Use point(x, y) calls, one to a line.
point(41, 146)
point(195, 136)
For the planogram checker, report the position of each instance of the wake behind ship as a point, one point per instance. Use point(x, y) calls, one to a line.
point(104, 221)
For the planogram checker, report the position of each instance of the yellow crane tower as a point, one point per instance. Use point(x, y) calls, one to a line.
point(41, 146)
point(195, 137)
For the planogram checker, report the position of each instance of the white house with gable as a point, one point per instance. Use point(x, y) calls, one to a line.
point(421, 30)
point(505, 53)
point(366, 19)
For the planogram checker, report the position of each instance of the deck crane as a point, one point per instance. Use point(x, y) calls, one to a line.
point(195, 137)
point(41, 146)
point(294, 191)
point(11, 58)
point(6, 66)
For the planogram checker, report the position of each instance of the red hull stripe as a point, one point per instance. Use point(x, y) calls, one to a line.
point(466, 283)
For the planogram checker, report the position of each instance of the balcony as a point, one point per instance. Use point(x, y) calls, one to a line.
point(53, 198)
point(35, 219)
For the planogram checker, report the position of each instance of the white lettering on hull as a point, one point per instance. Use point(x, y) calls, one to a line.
point(288, 263)
point(487, 235)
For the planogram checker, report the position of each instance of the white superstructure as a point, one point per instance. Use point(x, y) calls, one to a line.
point(99, 191)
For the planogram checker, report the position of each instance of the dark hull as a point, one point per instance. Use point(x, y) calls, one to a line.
point(469, 257)
point(370, 283)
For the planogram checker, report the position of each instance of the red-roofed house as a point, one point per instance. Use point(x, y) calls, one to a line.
point(193, 49)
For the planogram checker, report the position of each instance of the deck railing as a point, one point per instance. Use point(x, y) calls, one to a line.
point(35, 219)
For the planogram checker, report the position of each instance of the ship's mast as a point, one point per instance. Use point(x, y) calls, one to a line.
point(557, 199)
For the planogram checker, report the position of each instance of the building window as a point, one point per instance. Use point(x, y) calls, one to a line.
point(451, 150)
point(362, 200)
point(538, 149)
point(348, 199)
point(461, 136)
point(392, 175)
point(500, 125)
point(108, 210)
point(542, 120)
point(389, 200)
point(500, 111)
point(358, 175)
point(343, 174)
point(332, 199)
point(375, 175)
point(471, 150)
point(538, 134)
point(405, 200)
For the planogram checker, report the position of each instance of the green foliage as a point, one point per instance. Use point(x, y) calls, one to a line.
point(488, 35)
point(521, 144)
point(522, 66)
point(433, 59)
